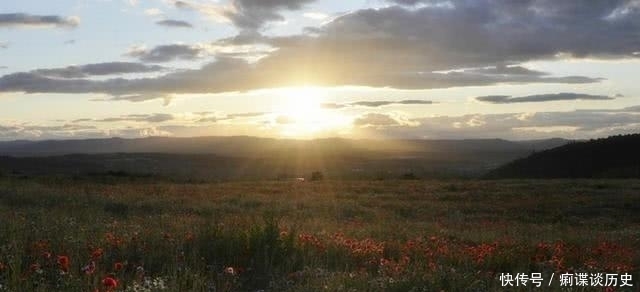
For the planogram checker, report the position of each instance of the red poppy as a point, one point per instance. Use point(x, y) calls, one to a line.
point(118, 266)
point(63, 262)
point(97, 253)
point(46, 255)
point(110, 283)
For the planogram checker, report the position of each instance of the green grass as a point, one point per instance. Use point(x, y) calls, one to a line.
point(405, 235)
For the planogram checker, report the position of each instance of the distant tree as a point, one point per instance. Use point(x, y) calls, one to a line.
point(615, 156)
point(317, 175)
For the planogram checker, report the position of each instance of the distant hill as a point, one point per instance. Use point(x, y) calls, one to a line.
point(244, 146)
point(613, 157)
point(250, 157)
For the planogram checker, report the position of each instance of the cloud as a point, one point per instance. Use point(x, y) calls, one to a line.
point(42, 132)
point(506, 70)
point(503, 99)
point(153, 12)
point(4, 45)
point(98, 69)
point(174, 23)
point(375, 103)
point(148, 118)
point(167, 53)
point(209, 117)
point(246, 115)
point(31, 131)
point(244, 14)
point(579, 124)
point(230, 74)
point(378, 120)
point(418, 47)
point(29, 20)
point(253, 14)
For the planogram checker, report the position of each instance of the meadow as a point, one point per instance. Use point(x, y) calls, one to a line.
point(61, 234)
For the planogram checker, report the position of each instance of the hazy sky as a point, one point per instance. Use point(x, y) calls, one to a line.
point(302, 68)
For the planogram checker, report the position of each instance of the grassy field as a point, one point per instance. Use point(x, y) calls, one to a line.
point(413, 235)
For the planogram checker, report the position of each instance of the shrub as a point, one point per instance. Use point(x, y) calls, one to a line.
point(317, 175)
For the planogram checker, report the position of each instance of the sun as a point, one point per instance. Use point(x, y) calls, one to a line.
point(301, 114)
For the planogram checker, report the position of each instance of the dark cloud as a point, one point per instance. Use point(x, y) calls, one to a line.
point(421, 47)
point(26, 20)
point(98, 69)
point(4, 45)
point(245, 14)
point(253, 14)
point(167, 53)
point(375, 103)
point(174, 23)
point(541, 97)
point(507, 70)
point(229, 74)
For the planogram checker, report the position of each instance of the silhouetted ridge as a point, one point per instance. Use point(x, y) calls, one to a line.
point(614, 157)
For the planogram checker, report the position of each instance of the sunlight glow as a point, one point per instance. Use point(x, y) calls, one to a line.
point(302, 115)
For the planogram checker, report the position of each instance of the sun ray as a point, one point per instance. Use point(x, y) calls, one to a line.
point(302, 114)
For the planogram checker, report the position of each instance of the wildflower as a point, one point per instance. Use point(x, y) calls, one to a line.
point(90, 268)
point(140, 272)
point(118, 266)
point(63, 262)
point(110, 283)
point(97, 254)
point(189, 237)
point(46, 255)
point(230, 271)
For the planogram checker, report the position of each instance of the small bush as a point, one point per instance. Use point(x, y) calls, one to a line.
point(317, 175)
point(409, 175)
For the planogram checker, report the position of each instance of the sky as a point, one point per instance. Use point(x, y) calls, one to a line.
point(303, 69)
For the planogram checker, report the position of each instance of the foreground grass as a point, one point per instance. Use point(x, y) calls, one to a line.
point(63, 235)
